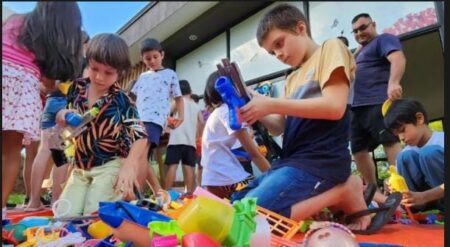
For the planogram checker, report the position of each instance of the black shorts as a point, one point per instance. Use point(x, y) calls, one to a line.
point(59, 157)
point(185, 153)
point(368, 130)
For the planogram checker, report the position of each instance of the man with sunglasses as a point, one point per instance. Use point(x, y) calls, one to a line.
point(380, 64)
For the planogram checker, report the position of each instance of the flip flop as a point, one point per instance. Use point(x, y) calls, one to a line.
point(369, 193)
point(382, 217)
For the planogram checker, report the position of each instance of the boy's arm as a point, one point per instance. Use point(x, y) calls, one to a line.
point(179, 103)
point(130, 170)
point(330, 106)
point(252, 150)
point(412, 198)
point(200, 124)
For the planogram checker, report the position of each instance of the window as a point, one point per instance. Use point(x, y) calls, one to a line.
point(253, 60)
point(327, 21)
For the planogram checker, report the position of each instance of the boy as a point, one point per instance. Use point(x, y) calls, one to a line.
point(108, 152)
point(154, 91)
point(314, 169)
point(421, 162)
point(182, 141)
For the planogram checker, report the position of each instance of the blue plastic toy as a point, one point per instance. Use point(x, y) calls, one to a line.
point(113, 214)
point(229, 95)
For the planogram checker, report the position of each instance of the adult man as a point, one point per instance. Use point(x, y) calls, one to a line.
point(380, 64)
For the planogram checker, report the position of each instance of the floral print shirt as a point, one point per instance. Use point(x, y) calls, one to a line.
point(112, 132)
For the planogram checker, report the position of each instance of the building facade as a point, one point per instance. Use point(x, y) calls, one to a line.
point(197, 35)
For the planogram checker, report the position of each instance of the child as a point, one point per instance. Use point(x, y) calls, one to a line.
point(181, 144)
point(222, 172)
point(56, 101)
point(421, 162)
point(43, 45)
point(314, 169)
point(109, 151)
point(154, 91)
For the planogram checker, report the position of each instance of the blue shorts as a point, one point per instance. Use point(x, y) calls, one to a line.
point(52, 106)
point(280, 188)
point(154, 132)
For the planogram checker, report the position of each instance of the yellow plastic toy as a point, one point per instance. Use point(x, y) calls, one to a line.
point(396, 181)
point(99, 230)
point(385, 107)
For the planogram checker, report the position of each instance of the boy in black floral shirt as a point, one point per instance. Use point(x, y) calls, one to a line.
point(109, 151)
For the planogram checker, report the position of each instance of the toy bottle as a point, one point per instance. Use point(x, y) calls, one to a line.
point(208, 216)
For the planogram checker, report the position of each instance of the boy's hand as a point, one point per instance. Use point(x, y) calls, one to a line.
point(125, 180)
point(257, 108)
point(411, 198)
point(177, 122)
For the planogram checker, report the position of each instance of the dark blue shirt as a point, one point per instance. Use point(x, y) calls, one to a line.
point(373, 70)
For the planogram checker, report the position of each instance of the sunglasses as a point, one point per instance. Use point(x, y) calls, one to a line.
point(361, 28)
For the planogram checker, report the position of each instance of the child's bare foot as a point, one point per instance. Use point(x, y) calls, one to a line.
point(354, 202)
point(34, 206)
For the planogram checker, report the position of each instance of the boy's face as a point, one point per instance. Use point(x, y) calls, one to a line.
point(153, 59)
point(412, 134)
point(287, 46)
point(102, 75)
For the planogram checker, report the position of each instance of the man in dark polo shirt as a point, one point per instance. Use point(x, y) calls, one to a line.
point(380, 64)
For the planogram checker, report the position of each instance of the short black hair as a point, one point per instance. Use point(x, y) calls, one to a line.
point(195, 98)
point(185, 87)
point(283, 17)
point(149, 44)
point(343, 39)
point(211, 97)
point(403, 111)
point(109, 49)
point(356, 18)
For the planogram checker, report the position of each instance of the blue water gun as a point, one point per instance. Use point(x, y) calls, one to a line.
point(225, 88)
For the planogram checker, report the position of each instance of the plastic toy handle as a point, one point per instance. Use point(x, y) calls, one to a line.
point(73, 119)
point(229, 95)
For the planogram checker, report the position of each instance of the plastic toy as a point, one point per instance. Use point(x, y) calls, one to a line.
point(329, 234)
point(398, 183)
point(199, 239)
point(61, 138)
point(99, 229)
point(229, 96)
point(279, 225)
point(68, 240)
point(261, 237)
point(166, 241)
point(262, 137)
point(207, 216)
point(243, 225)
point(165, 229)
point(113, 214)
point(14, 232)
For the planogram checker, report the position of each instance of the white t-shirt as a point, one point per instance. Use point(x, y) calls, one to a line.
point(437, 138)
point(154, 91)
point(220, 165)
point(187, 131)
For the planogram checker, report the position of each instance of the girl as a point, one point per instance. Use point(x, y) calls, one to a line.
point(43, 45)
point(222, 172)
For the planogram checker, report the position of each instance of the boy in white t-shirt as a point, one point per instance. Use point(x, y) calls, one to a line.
point(421, 162)
point(182, 144)
point(223, 174)
point(154, 91)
